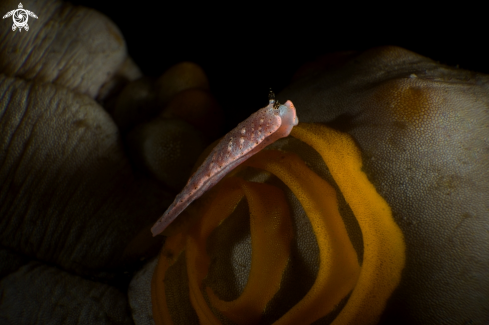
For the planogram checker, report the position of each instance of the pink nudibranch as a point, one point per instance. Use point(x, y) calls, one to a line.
point(262, 128)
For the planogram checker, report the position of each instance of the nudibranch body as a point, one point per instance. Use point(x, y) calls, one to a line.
point(262, 128)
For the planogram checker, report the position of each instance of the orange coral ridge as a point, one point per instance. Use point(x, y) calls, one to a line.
point(338, 261)
point(271, 236)
point(230, 193)
point(384, 247)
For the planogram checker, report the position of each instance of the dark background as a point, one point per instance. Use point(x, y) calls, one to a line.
point(245, 49)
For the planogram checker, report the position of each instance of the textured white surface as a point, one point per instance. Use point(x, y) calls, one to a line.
point(139, 294)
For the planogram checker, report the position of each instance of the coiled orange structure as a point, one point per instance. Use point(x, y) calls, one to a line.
point(361, 285)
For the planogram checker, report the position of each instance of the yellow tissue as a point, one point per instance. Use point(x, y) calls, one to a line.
point(383, 241)
point(228, 197)
point(338, 261)
point(271, 236)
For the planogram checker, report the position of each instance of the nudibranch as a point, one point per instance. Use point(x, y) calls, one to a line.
point(262, 128)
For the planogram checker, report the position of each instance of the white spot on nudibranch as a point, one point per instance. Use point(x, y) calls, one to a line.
point(241, 140)
point(243, 130)
point(261, 121)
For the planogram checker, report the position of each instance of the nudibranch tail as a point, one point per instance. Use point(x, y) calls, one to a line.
point(262, 128)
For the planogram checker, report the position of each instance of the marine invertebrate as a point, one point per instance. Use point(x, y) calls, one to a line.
point(262, 128)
